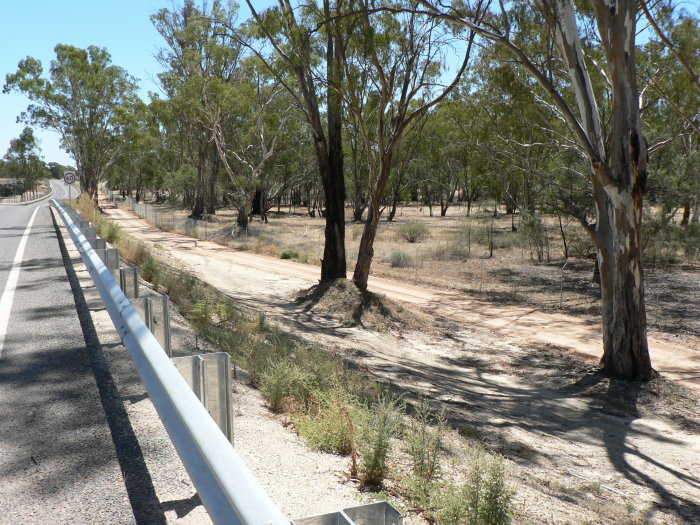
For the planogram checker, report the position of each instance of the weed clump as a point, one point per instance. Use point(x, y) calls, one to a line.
point(330, 426)
point(414, 232)
point(109, 231)
point(400, 259)
point(378, 425)
point(288, 253)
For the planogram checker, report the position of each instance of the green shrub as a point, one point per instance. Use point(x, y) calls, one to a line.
point(288, 253)
point(665, 242)
point(535, 234)
point(400, 259)
point(424, 444)
point(150, 269)
point(378, 425)
point(452, 251)
point(484, 499)
point(414, 231)
point(257, 360)
point(331, 427)
point(201, 312)
point(109, 231)
point(281, 382)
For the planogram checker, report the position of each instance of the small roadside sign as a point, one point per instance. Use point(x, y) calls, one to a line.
point(69, 177)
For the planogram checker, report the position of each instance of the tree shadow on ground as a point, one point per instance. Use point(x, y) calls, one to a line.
point(548, 398)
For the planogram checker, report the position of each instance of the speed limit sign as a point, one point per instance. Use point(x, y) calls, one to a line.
point(69, 177)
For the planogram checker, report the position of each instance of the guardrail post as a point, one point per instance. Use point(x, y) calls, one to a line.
point(97, 243)
point(166, 326)
point(112, 259)
point(130, 289)
point(209, 377)
point(148, 313)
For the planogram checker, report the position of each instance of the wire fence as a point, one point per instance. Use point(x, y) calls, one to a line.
point(168, 220)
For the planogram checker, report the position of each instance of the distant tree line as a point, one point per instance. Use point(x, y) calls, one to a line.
point(549, 106)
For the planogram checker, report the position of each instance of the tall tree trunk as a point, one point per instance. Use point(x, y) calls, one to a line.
point(394, 205)
point(625, 350)
point(243, 216)
point(366, 250)
point(619, 183)
point(213, 176)
point(365, 253)
point(198, 207)
point(686, 213)
point(360, 202)
point(333, 264)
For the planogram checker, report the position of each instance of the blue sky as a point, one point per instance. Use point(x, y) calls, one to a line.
point(33, 28)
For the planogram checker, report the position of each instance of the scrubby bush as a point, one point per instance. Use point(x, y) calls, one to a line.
point(280, 382)
point(400, 259)
point(535, 234)
point(484, 499)
point(109, 231)
point(414, 231)
point(331, 426)
point(288, 253)
point(424, 443)
point(150, 269)
point(451, 251)
point(132, 250)
point(488, 496)
point(666, 242)
point(378, 425)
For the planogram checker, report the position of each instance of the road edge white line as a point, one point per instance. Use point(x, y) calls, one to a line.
point(8, 294)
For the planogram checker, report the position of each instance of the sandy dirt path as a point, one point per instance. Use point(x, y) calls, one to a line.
point(574, 460)
point(263, 280)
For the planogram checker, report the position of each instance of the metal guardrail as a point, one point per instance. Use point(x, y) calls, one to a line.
point(227, 488)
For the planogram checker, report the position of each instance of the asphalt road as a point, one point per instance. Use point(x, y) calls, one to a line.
point(61, 190)
point(59, 416)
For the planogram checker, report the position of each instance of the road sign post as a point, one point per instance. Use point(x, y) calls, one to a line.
point(69, 178)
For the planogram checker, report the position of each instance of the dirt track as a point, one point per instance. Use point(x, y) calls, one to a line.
point(260, 278)
point(573, 457)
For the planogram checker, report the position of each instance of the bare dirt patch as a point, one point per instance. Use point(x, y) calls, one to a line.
point(342, 301)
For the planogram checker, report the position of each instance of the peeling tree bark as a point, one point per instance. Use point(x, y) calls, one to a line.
point(618, 177)
point(618, 166)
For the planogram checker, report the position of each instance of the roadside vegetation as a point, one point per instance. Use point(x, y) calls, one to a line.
point(336, 407)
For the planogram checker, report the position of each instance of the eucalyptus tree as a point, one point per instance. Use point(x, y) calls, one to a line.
point(671, 115)
point(24, 160)
point(393, 64)
point(202, 63)
point(615, 148)
point(84, 100)
point(406, 169)
point(307, 64)
point(140, 167)
point(260, 109)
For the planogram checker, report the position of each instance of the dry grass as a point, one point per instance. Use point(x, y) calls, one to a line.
point(479, 255)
